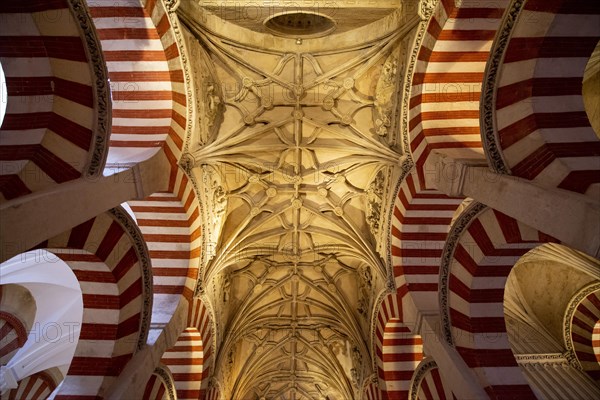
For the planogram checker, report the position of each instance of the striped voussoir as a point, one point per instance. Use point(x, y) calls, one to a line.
point(160, 385)
point(34, 387)
point(116, 298)
point(46, 136)
point(200, 317)
point(446, 86)
point(420, 225)
point(430, 385)
point(142, 57)
point(156, 389)
point(372, 392)
point(543, 130)
point(171, 229)
point(13, 336)
point(185, 361)
point(398, 351)
point(585, 334)
point(487, 248)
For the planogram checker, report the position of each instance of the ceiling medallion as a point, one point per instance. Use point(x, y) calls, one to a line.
point(300, 24)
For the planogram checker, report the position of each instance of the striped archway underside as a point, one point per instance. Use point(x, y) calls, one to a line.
point(13, 335)
point(34, 387)
point(109, 258)
point(172, 228)
point(200, 317)
point(446, 86)
point(185, 361)
point(397, 350)
point(482, 247)
point(17, 315)
point(536, 125)
point(58, 113)
point(147, 80)
point(420, 224)
point(427, 383)
point(160, 385)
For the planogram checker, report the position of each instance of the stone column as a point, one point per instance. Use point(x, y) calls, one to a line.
point(453, 370)
point(552, 377)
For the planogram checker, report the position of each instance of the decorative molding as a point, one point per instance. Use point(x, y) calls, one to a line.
point(525, 360)
point(570, 354)
point(171, 8)
point(375, 194)
point(186, 161)
point(456, 231)
point(101, 125)
point(405, 168)
point(488, 122)
point(390, 287)
point(386, 92)
point(424, 367)
point(141, 249)
point(171, 5)
point(424, 7)
point(214, 329)
point(165, 374)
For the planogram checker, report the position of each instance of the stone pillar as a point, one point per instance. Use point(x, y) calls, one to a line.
point(29, 220)
point(452, 367)
point(570, 217)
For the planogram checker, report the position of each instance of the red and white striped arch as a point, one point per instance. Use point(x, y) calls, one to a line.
point(160, 385)
point(420, 224)
point(585, 334)
point(171, 226)
point(55, 129)
point(35, 387)
point(543, 132)
point(484, 245)
point(185, 361)
point(155, 389)
point(17, 315)
point(427, 383)
point(402, 352)
point(13, 335)
point(446, 84)
point(398, 351)
point(142, 56)
point(199, 316)
point(212, 394)
point(372, 392)
point(109, 259)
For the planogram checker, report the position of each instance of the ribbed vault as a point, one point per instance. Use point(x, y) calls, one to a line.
point(295, 161)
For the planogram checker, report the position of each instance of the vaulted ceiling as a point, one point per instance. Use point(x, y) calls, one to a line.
point(294, 156)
